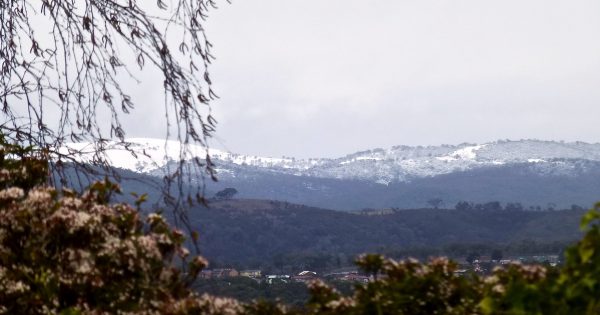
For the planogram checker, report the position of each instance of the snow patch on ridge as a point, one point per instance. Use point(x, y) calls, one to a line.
point(535, 160)
point(148, 154)
point(153, 154)
point(467, 153)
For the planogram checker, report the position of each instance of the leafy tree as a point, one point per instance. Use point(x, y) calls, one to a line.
point(409, 287)
point(21, 167)
point(435, 202)
point(578, 281)
point(514, 207)
point(463, 206)
point(492, 206)
point(226, 193)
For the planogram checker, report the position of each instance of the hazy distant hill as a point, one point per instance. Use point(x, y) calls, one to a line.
point(528, 171)
point(523, 183)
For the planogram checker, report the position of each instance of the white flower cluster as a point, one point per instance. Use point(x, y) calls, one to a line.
point(104, 258)
point(11, 193)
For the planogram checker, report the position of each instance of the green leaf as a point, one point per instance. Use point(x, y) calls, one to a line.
point(586, 253)
point(487, 305)
point(70, 311)
point(588, 218)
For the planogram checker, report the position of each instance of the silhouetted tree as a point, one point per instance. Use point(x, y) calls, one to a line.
point(513, 207)
point(226, 193)
point(435, 202)
point(463, 205)
point(492, 206)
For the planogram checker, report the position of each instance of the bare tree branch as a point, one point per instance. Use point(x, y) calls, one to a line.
point(66, 56)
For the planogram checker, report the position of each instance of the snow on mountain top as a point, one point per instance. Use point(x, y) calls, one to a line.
point(399, 163)
point(153, 154)
point(150, 154)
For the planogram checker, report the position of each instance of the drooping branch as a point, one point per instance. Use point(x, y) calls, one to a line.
point(71, 59)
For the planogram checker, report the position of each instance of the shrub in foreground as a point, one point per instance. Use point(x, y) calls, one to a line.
point(60, 252)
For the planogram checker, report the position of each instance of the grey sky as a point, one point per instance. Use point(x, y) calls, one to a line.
point(321, 78)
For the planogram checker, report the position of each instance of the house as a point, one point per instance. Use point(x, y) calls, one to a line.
point(546, 259)
point(250, 273)
point(484, 259)
point(277, 279)
point(305, 276)
point(307, 273)
point(355, 278)
point(341, 274)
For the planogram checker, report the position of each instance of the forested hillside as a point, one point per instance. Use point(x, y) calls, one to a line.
point(254, 232)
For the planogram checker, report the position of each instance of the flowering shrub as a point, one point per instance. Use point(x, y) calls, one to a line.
point(403, 287)
point(59, 252)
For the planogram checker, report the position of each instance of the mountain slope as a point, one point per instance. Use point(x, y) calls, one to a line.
point(511, 183)
point(247, 231)
point(528, 171)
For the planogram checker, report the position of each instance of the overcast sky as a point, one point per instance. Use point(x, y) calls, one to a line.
point(323, 78)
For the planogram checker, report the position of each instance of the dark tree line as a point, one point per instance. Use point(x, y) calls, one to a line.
point(511, 206)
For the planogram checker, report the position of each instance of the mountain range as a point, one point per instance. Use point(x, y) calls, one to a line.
point(531, 172)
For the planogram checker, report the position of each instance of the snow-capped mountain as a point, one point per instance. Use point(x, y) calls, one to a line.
point(384, 166)
point(531, 172)
point(151, 155)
